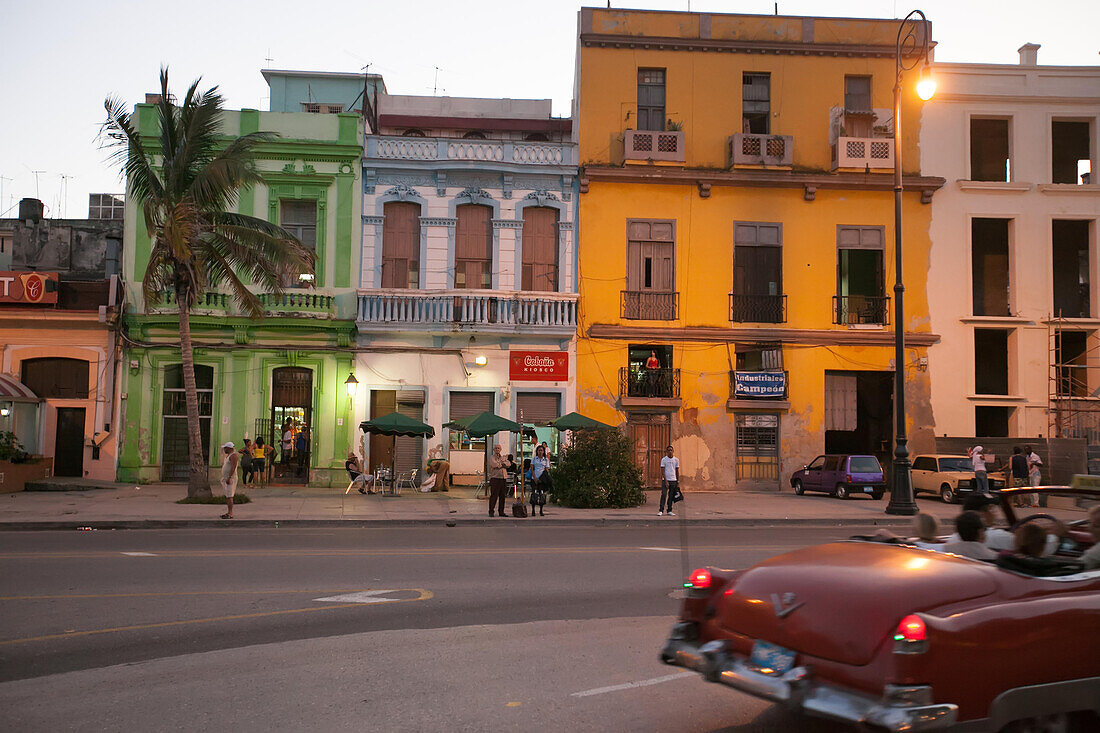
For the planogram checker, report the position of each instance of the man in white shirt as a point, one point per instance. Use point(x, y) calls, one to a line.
point(670, 481)
point(981, 477)
point(970, 531)
point(994, 537)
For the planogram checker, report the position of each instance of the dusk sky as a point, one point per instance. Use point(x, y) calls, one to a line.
point(60, 58)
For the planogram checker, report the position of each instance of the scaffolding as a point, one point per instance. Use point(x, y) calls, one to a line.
point(1073, 390)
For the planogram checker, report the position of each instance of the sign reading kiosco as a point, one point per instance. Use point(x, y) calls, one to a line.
point(545, 366)
point(759, 384)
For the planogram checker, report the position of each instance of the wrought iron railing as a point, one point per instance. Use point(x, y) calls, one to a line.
point(647, 305)
point(758, 308)
point(857, 309)
point(637, 381)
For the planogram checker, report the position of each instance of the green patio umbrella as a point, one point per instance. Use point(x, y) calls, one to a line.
point(577, 421)
point(397, 424)
point(484, 424)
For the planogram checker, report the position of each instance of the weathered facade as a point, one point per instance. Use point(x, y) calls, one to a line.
point(736, 240)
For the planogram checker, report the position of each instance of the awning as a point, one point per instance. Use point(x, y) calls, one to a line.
point(12, 390)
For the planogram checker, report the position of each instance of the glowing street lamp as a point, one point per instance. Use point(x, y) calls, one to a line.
point(351, 384)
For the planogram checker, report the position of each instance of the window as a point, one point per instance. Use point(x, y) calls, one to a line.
point(6, 244)
point(759, 357)
point(755, 103)
point(832, 463)
point(924, 463)
point(651, 99)
point(817, 463)
point(642, 379)
point(650, 270)
point(989, 271)
point(1071, 159)
point(757, 447)
point(1071, 360)
point(473, 247)
point(537, 137)
point(412, 132)
point(989, 158)
point(323, 109)
point(861, 283)
point(1070, 252)
point(757, 273)
point(991, 361)
point(540, 249)
point(299, 219)
point(401, 245)
point(474, 135)
point(991, 422)
point(857, 94)
point(56, 378)
point(106, 206)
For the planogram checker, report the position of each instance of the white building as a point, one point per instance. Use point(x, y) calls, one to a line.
point(1014, 264)
point(467, 297)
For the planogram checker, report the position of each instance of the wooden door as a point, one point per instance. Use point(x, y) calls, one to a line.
point(757, 271)
point(473, 247)
point(650, 435)
point(401, 245)
point(68, 451)
point(382, 402)
point(540, 249)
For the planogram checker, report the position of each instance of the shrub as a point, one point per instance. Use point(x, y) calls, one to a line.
point(597, 471)
point(11, 449)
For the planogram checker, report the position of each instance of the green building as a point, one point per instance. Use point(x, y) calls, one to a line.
point(283, 373)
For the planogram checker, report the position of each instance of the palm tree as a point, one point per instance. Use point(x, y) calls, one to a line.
point(186, 183)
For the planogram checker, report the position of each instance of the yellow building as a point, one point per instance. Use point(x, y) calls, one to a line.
point(736, 240)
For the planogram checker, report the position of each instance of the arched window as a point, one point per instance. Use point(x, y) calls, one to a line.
point(474, 135)
point(473, 247)
point(56, 378)
point(413, 132)
point(537, 137)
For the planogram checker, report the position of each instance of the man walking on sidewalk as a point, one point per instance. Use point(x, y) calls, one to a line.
point(230, 461)
point(670, 482)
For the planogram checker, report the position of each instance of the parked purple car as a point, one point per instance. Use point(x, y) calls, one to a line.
point(841, 476)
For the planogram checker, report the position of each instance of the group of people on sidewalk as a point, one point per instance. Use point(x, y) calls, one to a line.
point(1021, 469)
point(503, 470)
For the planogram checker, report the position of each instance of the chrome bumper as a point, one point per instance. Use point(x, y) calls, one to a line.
point(797, 690)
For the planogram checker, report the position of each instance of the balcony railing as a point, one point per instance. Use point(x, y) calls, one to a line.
point(468, 310)
point(861, 309)
point(291, 303)
point(876, 153)
point(646, 305)
point(210, 302)
point(637, 381)
point(488, 151)
point(752, 149)
point(655, 145)
point(758, 308)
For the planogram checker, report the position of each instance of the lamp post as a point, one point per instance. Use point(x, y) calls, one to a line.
point(912, 42)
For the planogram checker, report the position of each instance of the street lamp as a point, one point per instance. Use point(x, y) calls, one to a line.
point(912, 42)
point(351, 384)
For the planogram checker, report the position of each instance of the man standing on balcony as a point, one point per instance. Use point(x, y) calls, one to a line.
point(652, 372)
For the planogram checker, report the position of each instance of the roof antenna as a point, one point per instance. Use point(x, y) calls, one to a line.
point(777, 8)
point(435, 82)
point(268, 58)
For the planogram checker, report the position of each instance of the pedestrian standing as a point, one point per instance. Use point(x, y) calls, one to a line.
point(230, 461)
point(977, 460)
point(287, 443)
point(540, 480)
point(246, 462)
point(258, 456)
point(652, 372)
point(1034, 476)
point(301, 447)
point(1017, 476)
point(670, 482)
point(498, 480)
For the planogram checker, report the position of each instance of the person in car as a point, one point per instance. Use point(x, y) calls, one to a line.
point(1091, 558)
point(927, 530)
point(998, 538)
point(970, 528)
point(1030, 540)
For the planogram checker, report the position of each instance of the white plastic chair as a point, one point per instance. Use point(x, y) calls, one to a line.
point(482, 486)
point(407, 480)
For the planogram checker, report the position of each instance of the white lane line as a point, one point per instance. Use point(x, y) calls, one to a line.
point(660, 549)
point(140, 554)
point(631, 685)
point(366, 596)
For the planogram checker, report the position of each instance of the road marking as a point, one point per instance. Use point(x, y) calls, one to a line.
point(140, 554)
point(169, 594)
point(424, 596)
point(632, 685)
point(660, 549)
point(366, 596)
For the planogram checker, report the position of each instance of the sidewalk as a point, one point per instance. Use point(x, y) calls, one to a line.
point(153, 505)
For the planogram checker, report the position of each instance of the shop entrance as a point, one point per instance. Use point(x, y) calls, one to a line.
point(403, 453)
point(176, 464)
point(291, 423)
point(859, 414)
point(68, 448)
point(650, 434)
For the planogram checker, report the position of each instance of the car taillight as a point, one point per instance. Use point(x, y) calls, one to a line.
point(699, 579)
point(911, 636)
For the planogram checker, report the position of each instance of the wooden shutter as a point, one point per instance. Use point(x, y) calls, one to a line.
point(401, 245)
point(758, 258)
point(473, 247)
point(540, 249)
point(466, 404)
point(651, 250)
point(538, 407)
point(840, 401)
point(410, 451)
point(855, 237)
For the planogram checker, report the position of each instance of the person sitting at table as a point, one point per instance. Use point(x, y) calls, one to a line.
point(359, 479)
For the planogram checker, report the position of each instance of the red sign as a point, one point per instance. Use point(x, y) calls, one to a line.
point(542, 366)
point(28, 287)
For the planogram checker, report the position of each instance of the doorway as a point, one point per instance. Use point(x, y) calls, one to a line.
point(405, 454)
point(650, 434)
point(68, 451)
point(176, 463)
point(291, 423)
point(859, 414)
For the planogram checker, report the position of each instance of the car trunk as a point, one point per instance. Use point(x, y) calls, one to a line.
point(852, 596)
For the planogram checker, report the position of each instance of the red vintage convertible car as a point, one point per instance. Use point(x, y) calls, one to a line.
point(895, 638)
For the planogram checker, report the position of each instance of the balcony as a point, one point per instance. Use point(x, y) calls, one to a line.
point(208, 304)
point(485, 151)
point(861, 310)
point(746, 149)
point(297, 303)
point(654, 145)
point(647, 305)
point(442, 311)
point(758, 308)
point(874, 153)
point(641, 387)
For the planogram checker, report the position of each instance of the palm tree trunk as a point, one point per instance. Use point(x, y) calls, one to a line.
point(198, 481)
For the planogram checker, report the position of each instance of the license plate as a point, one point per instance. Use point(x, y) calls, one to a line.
point(771, 658)
point(868, 489)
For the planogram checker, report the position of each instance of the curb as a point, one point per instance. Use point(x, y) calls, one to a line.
point(53, 525)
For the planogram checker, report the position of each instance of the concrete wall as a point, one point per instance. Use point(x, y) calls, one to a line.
point(79, 249)
point(290, 89)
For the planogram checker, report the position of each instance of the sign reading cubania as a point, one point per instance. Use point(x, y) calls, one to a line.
point(759, 384)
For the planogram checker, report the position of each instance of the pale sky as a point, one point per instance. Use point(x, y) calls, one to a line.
point(60, 58)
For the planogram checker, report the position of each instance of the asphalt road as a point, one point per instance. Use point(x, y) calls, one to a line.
point(515, 627)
